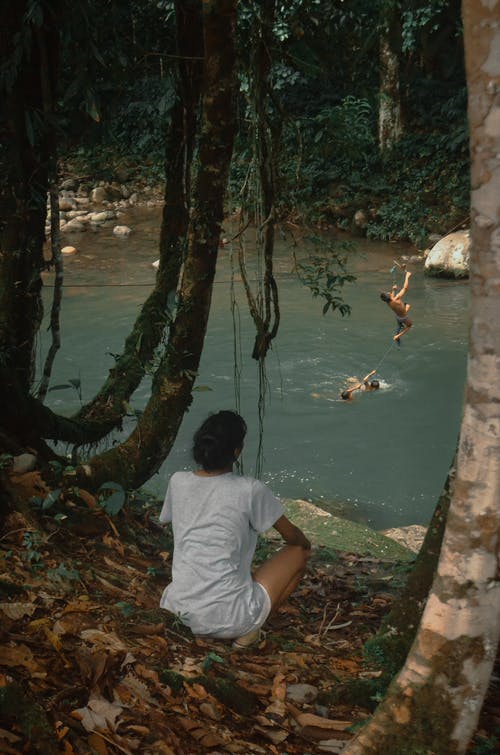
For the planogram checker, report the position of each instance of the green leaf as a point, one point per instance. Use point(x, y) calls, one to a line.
point(52, 497)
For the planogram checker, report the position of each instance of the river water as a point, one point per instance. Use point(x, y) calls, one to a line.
point(381, 459)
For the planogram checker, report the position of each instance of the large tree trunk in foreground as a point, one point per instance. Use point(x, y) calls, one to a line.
point(389, 647)
point(434, 703)
point(137, 458)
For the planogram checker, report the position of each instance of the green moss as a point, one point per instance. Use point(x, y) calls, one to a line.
point(343, 535)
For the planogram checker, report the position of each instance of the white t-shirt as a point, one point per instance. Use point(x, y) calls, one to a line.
point(215, 521)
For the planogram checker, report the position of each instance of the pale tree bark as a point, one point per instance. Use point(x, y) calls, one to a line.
point(433, 705)
point(389, 113)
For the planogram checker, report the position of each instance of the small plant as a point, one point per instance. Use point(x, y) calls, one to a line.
point(111, 497)
point(31, 543)
point(210, 659)
point(325, 276)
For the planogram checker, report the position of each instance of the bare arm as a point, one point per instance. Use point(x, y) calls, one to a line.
point(365, 379)
point(405, 287)
point(291, 534)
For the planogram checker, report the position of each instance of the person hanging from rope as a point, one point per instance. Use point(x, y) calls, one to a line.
point(366, 385)
point(399, 307)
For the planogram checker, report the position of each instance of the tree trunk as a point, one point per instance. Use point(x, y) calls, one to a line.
point(24, 155)
point(389, 114)
point(137, 458)
point(108, 407)
point(390, 646)
point(434, 703)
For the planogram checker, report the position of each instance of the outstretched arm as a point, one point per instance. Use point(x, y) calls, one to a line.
point(366, 378)
point(405, 287)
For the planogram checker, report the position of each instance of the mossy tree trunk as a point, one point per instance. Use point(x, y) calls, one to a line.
point(434, 702)
point(108, 407)
point(142, 453)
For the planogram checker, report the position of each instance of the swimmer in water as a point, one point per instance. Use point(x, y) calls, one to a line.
point(366, 385)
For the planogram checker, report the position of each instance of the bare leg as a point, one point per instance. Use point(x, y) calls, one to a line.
point(281, 574)
point(408, 325)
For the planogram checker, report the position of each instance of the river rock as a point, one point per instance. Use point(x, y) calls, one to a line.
point(74, 226)
point(122, 231)
point(69, 184)
point(411, 536)
point(449, 258)
point(99, 194)
point(98, 217)
point(65, 204)
point(69, 250)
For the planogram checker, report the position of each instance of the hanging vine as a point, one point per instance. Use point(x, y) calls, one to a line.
point(259, 203)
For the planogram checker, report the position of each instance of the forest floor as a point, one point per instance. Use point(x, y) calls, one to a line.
point(90, 664)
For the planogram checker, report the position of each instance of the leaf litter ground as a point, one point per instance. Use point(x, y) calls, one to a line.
point(90, 664)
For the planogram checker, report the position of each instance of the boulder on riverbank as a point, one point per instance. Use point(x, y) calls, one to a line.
point(449, 258)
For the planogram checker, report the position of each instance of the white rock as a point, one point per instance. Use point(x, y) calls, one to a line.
point(76, 214)
point(82, 200)
point(122, 230)
point(98, 217)
point(449, 258)
point(69, 250)
point(156, 264)
point(132, 198)
point(74, 226)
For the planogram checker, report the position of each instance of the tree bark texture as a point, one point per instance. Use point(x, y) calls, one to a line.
point(25, 128)
point(142, 453)
point(389, 648)
point(434, 703)
point(389, 113)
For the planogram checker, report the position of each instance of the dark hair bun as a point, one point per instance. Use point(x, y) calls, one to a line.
point(216, 441)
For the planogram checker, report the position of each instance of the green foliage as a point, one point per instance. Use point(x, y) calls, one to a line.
point(325, 276)
point(32, 554)
point(210, 659)
point(112, 497)
point(484, 745)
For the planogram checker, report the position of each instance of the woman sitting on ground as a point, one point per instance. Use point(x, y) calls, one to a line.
point(216, 516)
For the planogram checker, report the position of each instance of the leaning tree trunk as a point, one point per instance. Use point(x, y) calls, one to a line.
point(108, 407)
point(28, 420)
point(435, 701)
point(139, 456)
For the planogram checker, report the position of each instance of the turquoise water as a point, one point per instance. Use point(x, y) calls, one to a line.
point(381, 458)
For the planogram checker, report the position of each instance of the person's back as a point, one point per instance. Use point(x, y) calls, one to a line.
point(216, 517)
